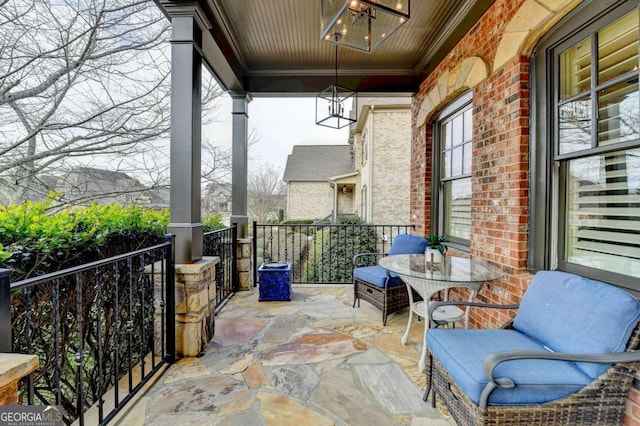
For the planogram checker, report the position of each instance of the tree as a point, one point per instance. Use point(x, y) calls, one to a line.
point(266, 193)
point(84, 83)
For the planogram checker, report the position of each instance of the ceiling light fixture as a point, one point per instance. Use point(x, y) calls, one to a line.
point(363, 24)
point(331, 105)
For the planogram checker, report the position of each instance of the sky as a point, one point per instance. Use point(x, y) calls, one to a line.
point(279, 123)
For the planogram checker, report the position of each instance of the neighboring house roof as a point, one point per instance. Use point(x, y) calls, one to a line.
point(219, 189)
point(317, 162)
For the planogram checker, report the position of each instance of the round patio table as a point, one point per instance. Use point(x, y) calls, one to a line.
point(428, 280)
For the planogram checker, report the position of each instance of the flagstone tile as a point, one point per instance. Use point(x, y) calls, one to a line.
point(206, 393)
point(230, 331)
point(237, 407)
point(254, 375)
point(238, 366)
point(341, 396)
point(191, 419)
point(185, 368)
point(297, 381)
point(392, 388)
point(328, 365)
point(391, 343)
point(283, 327)
point(372, 356)
point(312, 348)
point(279, 410)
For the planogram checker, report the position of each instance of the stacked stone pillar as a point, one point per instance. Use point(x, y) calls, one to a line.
point(244, 261)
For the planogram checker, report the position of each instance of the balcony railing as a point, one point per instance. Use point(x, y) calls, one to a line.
point(222, 243)
point(100, 330)
point(321, 253)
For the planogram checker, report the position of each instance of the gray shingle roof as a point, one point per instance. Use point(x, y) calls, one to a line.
point(317, 162)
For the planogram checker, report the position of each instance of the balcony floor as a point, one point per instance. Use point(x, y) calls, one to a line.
point(312, 361)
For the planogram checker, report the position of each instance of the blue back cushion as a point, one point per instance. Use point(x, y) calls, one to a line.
point(570, 313)
point(408, 244)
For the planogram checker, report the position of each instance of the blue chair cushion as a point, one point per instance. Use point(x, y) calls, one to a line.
point(462, 352)
point(375, 275)
point(570, 313)
point(408, 244)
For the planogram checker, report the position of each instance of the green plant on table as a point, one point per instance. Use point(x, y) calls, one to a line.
point(435, 241)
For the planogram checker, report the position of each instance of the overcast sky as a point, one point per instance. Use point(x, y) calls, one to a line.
point(280, 124)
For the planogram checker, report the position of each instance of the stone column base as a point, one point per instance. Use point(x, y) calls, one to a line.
point(244, 263)
point(195, 304)
point(14, 367)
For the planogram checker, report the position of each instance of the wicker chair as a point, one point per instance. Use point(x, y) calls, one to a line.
point(376, 285)
point(567, 358)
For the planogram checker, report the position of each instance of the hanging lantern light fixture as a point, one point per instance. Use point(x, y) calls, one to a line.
point(331, 104)
point(363, 24)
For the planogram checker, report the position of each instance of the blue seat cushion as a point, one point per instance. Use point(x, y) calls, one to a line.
point(408, 244)
point(570, 313)
point(375, 275)
point(462, 352)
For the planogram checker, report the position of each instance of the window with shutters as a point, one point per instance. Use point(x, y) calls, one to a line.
point(594, 141)
point(454, 133)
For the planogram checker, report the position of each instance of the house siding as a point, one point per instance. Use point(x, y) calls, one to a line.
point(497, 51)
point(382, 154)
point(391, 157)
point(309, 200)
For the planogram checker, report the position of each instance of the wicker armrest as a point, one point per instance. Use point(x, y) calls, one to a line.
point(359, 256)
point(494, 359)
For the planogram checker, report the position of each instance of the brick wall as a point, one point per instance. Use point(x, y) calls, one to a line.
point(309, 200)
point(390, 155)
point(500, 166)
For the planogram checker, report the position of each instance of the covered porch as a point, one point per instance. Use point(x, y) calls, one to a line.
point(314, 360)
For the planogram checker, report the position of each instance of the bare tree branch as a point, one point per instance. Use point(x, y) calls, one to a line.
point(88, 83)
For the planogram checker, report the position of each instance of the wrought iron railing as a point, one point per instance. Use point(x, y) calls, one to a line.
point(100, 330)
point(222, 243)
point(320, 253)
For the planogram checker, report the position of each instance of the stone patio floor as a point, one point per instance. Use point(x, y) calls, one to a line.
point(312, 361)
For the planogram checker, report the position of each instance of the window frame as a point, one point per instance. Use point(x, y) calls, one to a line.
point(548, 168)
point(456, 107)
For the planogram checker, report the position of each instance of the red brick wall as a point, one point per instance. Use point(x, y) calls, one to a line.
point(500, 167)
point(500, 161)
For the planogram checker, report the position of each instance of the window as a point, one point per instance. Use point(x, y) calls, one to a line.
point(454, 136)
point(592, 219)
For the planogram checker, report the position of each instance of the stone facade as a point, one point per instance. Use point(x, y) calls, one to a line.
point(309, 200)
point(493, 61)
point(244, 265)
point(382, 152)
point(195, 305)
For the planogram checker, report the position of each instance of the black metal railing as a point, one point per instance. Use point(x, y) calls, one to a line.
point(320, 253)
point(222, 243)
point(100, 330)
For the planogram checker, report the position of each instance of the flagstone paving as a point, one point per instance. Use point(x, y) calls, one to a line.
point(313, 360)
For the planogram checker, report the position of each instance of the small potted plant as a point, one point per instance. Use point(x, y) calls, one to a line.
point(434, 253)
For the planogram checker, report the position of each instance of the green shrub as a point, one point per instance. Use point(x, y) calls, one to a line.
point(212, 223)
point(330, 258)
point(40, 242)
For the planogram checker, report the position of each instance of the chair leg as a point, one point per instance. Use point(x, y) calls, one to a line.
point(355, 296)
point(384, 319)
point(427, 390)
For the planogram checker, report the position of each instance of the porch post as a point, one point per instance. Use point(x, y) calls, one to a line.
point(240, 147)
point(186, 110)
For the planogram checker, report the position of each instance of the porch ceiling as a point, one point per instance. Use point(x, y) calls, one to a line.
point(273, 47)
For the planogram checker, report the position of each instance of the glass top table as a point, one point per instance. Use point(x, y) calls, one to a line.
point(427, 280)
point(455, 270)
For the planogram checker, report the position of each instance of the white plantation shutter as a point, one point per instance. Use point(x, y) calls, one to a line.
point(603, 212)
